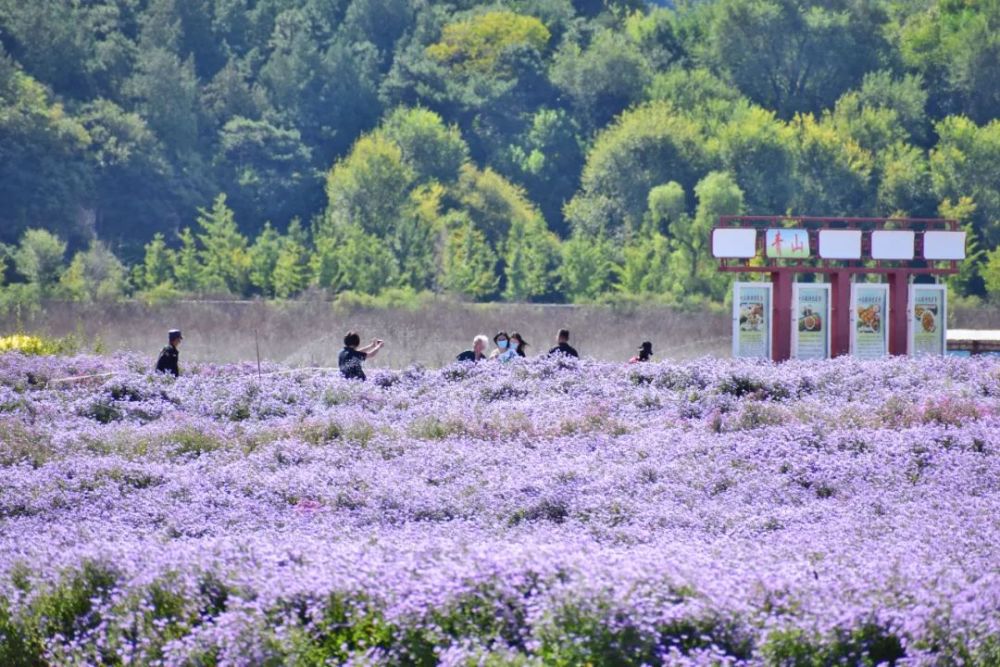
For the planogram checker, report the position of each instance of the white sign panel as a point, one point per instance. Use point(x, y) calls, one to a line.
point(752, 320)
point(810, 321)
point(927, 328)
point(892, 245)
point(944, 245)
point(869, 320)
point(840, 244)
point(734, 243)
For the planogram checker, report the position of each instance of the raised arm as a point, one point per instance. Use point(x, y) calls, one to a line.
point(372, 348)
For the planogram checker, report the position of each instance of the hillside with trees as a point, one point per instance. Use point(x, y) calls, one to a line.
point(532, 150)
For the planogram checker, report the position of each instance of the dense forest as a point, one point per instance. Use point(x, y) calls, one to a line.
point(531, 150)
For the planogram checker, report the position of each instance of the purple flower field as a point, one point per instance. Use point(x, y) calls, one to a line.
point(549, 512)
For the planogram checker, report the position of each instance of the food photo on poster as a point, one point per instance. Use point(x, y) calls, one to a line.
point(810, 326)
point(869, 334)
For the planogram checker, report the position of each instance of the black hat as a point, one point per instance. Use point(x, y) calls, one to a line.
point(646, 347)
point(174, 334)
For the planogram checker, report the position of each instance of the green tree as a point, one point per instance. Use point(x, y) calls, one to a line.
point(230, 95)
point(956, 47)
point(379, 22)
point(95, 274)
point(666, 205)
point(964, 163)
point(492, 202)
point(164, 85)
point(693, 267)
point(264, 258)
point(832, 172)
point(310, 83)
point(971, 273)
point(43, 171)
point(531, 258)
point(156, 268)
point(84, 50)
point(266, 170)
point(356, 261)
point(133, 179)
point(5, 255)
point(659, 35)
point(486, 72)
point(39, 258)
point(905, 187)
point(991, 273)
point(603, 79)
point(291, 270)
point(188, 268)
point(645, 267)
point(477, 44)
point(225, 260)
point(417, 235)
point(588, 267)
point(795, 56)
point(645, 147)
point(469, 263)
point(698, 92)
point(434, 150)
point(547, 160)
point(759, 151)
point(905, 95)
point(369, 188)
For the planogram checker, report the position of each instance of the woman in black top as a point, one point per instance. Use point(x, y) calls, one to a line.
point(351, 358)
point(518, 342)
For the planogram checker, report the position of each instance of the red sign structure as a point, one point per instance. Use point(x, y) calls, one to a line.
point(840, 248)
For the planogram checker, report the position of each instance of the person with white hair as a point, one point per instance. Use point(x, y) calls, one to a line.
point(478, 351)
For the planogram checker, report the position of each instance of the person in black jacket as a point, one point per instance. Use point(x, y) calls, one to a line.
point(563, 346)
point(169, 356)
point(645, 353)
point(478, 351)
point(351, 358)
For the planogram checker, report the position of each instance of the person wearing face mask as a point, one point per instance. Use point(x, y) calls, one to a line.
point(505, 351)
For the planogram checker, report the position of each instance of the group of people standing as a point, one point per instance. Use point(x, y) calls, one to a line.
point(351, 359)
point(507, 347)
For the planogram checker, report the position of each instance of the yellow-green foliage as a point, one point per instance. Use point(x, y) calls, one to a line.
point(37, 345)
point(475, 44)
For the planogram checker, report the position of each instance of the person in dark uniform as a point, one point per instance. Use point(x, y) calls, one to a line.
point(563, 346)
point(167, 362)
point(351, 358)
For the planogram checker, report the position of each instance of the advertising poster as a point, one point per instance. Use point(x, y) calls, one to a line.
point(869, 320)
point(927, 321)
point(810, 321)
point(752, 320)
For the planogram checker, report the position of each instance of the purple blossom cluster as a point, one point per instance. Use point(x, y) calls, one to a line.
point(546, 512)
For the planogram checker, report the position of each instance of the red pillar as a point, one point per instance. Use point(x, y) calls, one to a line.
point(840, 313)
point(781, 313)
point(899, 295)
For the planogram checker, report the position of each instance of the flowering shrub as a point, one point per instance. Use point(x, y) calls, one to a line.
point(36, 344)
point(549, 512)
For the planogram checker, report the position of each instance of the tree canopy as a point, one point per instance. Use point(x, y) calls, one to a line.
point(566, 150)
